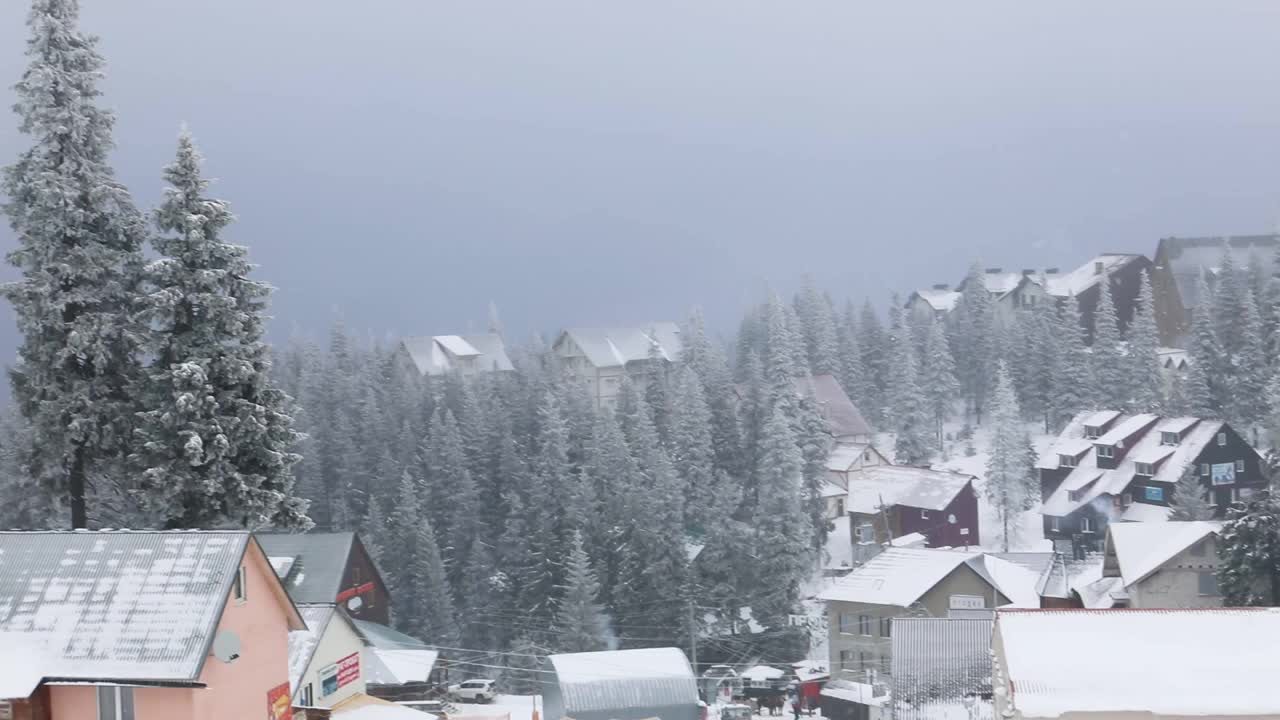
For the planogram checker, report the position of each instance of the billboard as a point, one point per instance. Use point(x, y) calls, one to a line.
point(340, 674)
point(279, 706)
point(1222, 473)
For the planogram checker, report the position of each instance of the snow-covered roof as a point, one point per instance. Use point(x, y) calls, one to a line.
point(22, 666)
point(303, 643)
point(393, 658)
point(1101, 418)
point(1015, 581)
point(808, 671)
point(1177, 425)
point(1165, 662)
point(939, 299)
point(1141, 548)
point(1087, 275)
point(855, 692)
point(1102, 593)
point(319, 561)
point(844, 455)
point(615, 347)
point(367, 707)
point(830, 490)
point(1139, 512)
point(914, 539)
point(118, 605)
point(624, 679)
point(844, 419)
point(897, 576)
point(1152, 454)
point(915, 487)
point(761, 673)
point(1096, 482)
point(1126, 429)
point(437, 354)
point(1188, 257)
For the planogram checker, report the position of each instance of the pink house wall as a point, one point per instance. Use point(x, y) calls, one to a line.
point(235, 690)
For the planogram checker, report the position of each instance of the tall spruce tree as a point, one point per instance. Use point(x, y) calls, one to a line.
point(782, 528)
point(873, 342)
point(580, 623)
point(215, 442)
point(692, 452)
point(1207, 391)
point(1145, 383)
point(976, 334)
point(908, 407)
point(938, 378)
point(1189, 501)
point(1109, 367)
point(1011, 481)
point(79, 252)
point(1073, 383)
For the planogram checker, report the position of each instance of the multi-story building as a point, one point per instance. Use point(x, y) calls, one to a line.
point(1179, 263)
point(466, 355)
point(601, 357)
point(1158, 565)
point(1107, 466)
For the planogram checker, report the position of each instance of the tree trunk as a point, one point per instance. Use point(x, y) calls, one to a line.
point(75, 488)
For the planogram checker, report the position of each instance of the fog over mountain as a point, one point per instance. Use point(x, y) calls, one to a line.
point(405, 163)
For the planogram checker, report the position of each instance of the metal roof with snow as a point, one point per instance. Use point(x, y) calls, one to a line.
point(615, 347)
point(939, 299)
point(1087, 275)
point(1101, 418)
point(897, 577)
point(394, 658)
point(939, 661)
point(1141, 548)
point(843, 456)
point(118, 605)
point(1127, 428)
point(915, 487)
point(621, 683)
point(319, 561)
point(1164, 662)
point(435, 354)
point(1177, 425)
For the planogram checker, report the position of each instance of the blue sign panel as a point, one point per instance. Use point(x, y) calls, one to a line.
point(1154, 493)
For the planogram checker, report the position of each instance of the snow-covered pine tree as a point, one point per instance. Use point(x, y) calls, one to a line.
point(726, 427)
point(938, 378)
point(818, 327)
point(754, 412)
point(1073, 383)
point(215, 439)
point(908, 408)
point(657, 391)
point(1011, 479)
point(580, 623)
point(1230, 293)
point(695, 346)
point(1249, 554)
point(1251, 371)
point(1047, 352)
point(79, 252)
point(976, 333)
point(1189, 501)
point(873, 342)
point(1107, 352)
point(452, 497)
point(853, 374)
point(550, 485)
point(1145, 383)
point(782, 527)
point(691, 449)
point(1207, 392)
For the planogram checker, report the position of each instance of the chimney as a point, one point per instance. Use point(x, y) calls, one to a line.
point(1097, 267)
point(1028, 271)
point(940, 286)
point(994, 271)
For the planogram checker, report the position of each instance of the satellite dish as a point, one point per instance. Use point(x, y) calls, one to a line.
point(355, 603)
point(951, 519)
point(226, 646)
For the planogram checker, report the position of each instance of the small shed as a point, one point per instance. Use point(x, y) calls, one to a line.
point(623, 685)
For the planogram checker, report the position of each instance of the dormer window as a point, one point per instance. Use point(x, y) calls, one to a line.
point(1075, 495)
point(1065, 460)
point(1092, 432)
point(1169, 438)
point(1144, 469)
point(1106, 451)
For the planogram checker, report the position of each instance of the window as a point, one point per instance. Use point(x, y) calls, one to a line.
point(1209, 583)
point(1143, 469)
point(1126, 499)
point(846, 659)
point(866, 534)
point(864, 625)
point(1168, 438)
point(1239, 466)
point(1091, 432)
point(840, 506)
point(886, 627)
point(115, 703)
point(846, 623)
point(307, 696)
point(1086, 525)
point(1204, 469)
point(1153, 493)
point(964, 531)
point(1222, 439)
point(1075, 495)
point(924, 514)
point(1067, 460)
point(238, 590)
point(1106, 451)
point(1054, 524)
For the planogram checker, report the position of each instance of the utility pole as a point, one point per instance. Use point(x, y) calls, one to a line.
point(693, 639)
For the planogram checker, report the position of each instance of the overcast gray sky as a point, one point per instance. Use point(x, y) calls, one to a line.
point(404, 162)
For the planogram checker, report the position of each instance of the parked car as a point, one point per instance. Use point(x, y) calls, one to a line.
point(480, 690)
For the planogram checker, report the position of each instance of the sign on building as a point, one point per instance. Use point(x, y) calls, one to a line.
point(1223, 473)
point(340, 674)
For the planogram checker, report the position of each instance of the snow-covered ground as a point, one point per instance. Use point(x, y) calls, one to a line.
point(513, 707)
